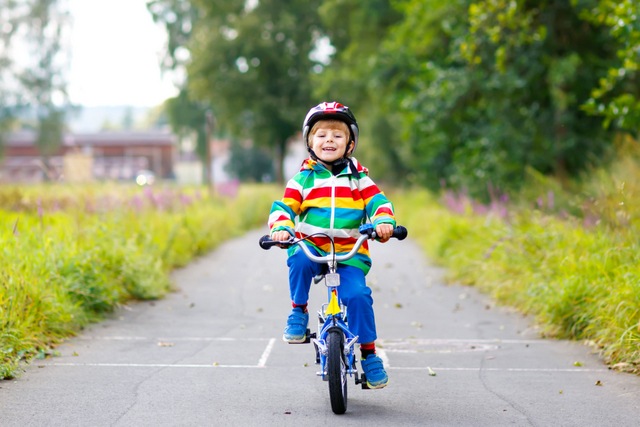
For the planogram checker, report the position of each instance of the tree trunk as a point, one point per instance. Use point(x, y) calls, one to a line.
point(560, 133)
point(281, 151)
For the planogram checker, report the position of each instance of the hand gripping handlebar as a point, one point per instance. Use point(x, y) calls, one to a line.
point(266, 243)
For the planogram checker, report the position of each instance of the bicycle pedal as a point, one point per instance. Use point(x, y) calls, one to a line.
point(363, 382)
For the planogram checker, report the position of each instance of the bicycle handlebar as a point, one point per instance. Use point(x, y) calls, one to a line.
point(400, 232)
point(266, 243)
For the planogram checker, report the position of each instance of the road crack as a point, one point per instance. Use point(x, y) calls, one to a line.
point(481, 376)
point(521, 410)
point(137, 395)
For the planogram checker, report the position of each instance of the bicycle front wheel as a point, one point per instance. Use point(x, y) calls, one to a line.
point(337, 371)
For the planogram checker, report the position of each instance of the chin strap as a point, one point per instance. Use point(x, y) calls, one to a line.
point(338, 162)
point(343, 161)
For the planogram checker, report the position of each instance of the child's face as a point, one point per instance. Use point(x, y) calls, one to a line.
point(329, 144)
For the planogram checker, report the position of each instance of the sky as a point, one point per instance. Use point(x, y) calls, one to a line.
point(116, 51)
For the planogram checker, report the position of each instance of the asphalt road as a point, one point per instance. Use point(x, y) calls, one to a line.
point(211, 354)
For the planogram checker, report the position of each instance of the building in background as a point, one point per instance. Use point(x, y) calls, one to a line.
point(120, 155)
point(116, 155)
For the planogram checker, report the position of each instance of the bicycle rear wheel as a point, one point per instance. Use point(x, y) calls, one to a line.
point(337, 370)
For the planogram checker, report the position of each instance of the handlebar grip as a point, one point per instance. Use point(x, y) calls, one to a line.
point(400, 232)
point(266, 243)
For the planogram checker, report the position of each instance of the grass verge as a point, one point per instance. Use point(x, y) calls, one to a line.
point(577, 276)
point(70, 254)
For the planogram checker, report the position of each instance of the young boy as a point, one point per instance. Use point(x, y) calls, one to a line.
point(333, 194)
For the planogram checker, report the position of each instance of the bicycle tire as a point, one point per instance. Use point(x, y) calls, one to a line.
point(337, 371)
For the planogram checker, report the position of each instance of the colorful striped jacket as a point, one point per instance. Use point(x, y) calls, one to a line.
point(333, 205)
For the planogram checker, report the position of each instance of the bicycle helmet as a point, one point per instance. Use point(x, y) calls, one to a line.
point(330, 111)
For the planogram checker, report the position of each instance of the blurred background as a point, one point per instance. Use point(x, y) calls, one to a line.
point(469, 95)
point(505, 132)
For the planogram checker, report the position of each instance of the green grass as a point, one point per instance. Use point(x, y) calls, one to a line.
point(92, 248)
point(576, 273)
point(566, 254)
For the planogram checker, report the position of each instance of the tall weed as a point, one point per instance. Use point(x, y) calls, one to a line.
point(70, 254)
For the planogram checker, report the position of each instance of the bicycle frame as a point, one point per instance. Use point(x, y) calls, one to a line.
point(328, 321)
point(334, 343)
point(333, 315)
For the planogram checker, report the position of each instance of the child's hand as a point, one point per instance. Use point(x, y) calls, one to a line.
point(384, 232)
point(280, 236)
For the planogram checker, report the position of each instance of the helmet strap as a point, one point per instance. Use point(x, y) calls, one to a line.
point(342, 160)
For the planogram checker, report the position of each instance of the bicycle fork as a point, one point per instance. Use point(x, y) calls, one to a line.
point(331, 318)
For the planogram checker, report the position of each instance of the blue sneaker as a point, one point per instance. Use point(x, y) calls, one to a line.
point(296, 330)
point(374, 371)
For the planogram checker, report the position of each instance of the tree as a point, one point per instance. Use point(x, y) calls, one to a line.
point(251, 62)
point(617, 96)
point(478, 91)
point(186, 113)
point(561, 57)
point(37, 27)
point(248, 163)
point(178, 18)
point(357, 29)
point(187, 117)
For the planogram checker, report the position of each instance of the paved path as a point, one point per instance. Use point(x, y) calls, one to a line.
point(211, 354)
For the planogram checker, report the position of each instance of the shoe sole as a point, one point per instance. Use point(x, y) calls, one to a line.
point(290, 341)
point(377, 386)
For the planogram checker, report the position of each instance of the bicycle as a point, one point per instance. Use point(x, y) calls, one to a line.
point(334, 343)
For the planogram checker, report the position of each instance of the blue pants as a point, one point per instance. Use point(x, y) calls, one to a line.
point(354, 293)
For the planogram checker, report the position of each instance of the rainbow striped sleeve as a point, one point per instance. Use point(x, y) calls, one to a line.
point(379, 208)
point(284, 212)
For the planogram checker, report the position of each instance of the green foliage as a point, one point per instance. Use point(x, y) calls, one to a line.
point(577, 274)
point(559, 71)
point(589, 48)
point(94, 248)
point(356, 29)
point(252, 64)
point(178, 17)
point(50, 128)
point(617, 96)
point(37, 27)
point(187, 116)
point(474, 91)
point(249, 163)
point(463, 92)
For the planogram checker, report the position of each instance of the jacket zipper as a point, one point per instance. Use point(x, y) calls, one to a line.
point(333, 204)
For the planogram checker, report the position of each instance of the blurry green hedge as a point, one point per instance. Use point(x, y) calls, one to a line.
point(70, 254)
point(576, 273)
